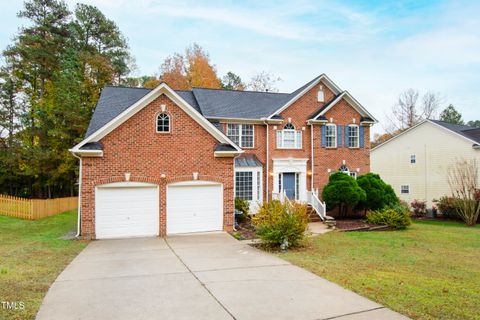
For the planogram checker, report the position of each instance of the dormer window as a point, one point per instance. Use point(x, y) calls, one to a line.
point(163, 123)
point(289, 138)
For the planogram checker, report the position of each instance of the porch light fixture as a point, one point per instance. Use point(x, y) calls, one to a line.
point(309, 173)
point(163, 176)
point(271, 173)
point(329, 170)
point(127, 176)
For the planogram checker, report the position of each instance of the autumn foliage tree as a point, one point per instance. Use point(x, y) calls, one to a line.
point(190, 70)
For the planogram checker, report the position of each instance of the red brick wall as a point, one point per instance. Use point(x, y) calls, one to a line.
point(327, 158)
point(137, 148)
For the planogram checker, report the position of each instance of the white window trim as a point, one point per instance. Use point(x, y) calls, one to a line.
point(256, 171)
point(240, 140)
point(408, 189)
point(358, 136)
point(335, 135)
point(169, 122)
point(282, 141)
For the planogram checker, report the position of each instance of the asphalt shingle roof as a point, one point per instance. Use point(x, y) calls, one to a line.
point(211, 103)
point(466, 131)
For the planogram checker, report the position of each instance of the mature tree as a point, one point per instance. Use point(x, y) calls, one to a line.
point(342, 191)
point(378, 193)
point(409, 111)
point(463, 179)
point(451, 115)
point(231, 81)
point(264, 81)
point(173, 72)
point(200, 71)
point(474, 123)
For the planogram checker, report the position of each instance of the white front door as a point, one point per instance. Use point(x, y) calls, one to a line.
point(194, 206)
point(126, 210)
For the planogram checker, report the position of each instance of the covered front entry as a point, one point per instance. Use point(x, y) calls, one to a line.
point(194, 206)
point(290, 177)
point(126, 209)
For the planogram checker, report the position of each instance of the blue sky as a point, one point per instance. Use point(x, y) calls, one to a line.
point(374, 49)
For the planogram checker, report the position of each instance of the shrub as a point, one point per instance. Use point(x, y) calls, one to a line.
point(419, 207)
point(343, 191)
point(448, 207)
point(392, 217)
point(378, 193)
point(281, 225)
point(242, 206)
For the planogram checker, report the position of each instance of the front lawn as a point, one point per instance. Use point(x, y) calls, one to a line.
point(429, 271)
point(32, 254)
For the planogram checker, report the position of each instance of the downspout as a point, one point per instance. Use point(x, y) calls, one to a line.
point(79, 210)
point(312, 163)
point(267, 163)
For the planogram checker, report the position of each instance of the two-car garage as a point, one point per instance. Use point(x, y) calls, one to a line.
point(132, 209)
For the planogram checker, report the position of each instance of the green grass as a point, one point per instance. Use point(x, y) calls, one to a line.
point(429, 271)
point(32, 254)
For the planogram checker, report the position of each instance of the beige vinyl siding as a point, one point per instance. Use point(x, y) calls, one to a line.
point(435, 148)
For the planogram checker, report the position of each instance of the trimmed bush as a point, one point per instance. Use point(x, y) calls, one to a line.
point(342, 191)
point(393, 217)
point(378, 193)
point(448, 207)
point(242, 206)
point(281, 225)
point(419, 208)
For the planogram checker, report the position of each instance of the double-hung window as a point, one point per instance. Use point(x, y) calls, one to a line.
point(241, 134)
point(353, 136)
point(405, 189)
point(289, 138)
point(331, 136)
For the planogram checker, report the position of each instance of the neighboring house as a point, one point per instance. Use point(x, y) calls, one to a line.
point(157, 162)
point(416, 161)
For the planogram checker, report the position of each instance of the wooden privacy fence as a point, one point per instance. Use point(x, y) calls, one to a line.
point(35, 208)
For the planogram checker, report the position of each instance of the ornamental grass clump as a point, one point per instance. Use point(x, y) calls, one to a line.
point(281, 225)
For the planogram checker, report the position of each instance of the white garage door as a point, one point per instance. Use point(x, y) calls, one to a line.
point(195, 206)
point(126, 209)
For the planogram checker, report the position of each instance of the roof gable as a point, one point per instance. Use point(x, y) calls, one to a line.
point(145, 100)
point(470, 134)
point(345, 95)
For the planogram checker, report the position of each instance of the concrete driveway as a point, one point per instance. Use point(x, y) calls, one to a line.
point(207, 276)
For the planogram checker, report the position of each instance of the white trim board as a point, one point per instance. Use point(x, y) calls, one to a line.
point(419, 124)
point(163, 88)
point(352, 101)
point(323, 77)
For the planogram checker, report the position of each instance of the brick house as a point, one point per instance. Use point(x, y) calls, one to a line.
point(159, 161)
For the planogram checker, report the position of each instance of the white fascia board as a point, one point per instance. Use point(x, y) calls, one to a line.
point(224, 154)
point(454, 133)
point(236, 120)
point(87, 153)
point(352, 101)
point(398, 135)
point(328, 82)
point(163, 88)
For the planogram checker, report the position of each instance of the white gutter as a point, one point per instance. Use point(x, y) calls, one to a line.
point(267, 164)
point(79, 210)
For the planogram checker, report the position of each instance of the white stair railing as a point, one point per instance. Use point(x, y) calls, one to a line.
point(317, 205)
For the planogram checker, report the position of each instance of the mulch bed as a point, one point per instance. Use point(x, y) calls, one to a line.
point(245, 231)
point(358, 225)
